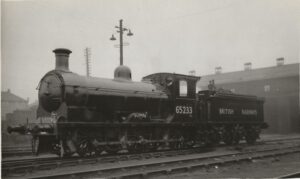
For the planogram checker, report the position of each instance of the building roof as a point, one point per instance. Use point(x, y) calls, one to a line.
point(282, 71)
point(7, 96)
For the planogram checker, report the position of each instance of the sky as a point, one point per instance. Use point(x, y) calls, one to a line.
point(169, 36)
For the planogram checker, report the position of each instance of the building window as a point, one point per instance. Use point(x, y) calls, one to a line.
point(182, 88)
point(267, 88)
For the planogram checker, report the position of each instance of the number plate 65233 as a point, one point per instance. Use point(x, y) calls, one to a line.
point(184, 110)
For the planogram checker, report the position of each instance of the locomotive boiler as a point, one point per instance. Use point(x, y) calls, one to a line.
point(92, 116)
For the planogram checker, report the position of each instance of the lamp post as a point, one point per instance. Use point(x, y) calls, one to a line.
point(121, 30)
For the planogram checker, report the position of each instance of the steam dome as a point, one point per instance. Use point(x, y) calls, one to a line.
point(122, 72)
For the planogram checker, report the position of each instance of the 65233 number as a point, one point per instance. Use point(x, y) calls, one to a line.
point(184, 110)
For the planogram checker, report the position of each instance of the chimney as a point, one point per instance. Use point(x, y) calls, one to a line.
point(62, 59)
point(280, 61)
point(218, 70)
point(247, 66)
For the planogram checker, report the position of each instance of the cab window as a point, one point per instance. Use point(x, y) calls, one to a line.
point(183, 88)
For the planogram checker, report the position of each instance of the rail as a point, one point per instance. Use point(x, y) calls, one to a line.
point(35, 164)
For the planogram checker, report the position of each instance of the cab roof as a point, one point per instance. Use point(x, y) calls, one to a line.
point(174, 75)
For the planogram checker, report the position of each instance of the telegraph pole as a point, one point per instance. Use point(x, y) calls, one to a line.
point(121, 30)
point(121, 41)
point(87, 54)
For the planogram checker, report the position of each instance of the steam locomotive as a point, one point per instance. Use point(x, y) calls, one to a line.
point(89, 116)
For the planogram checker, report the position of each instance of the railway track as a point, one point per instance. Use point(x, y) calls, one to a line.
point(170, 165)
point(41, 164)
point(31, 165)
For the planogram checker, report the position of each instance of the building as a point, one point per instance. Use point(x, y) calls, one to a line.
point(19, 117)
point(11, 102)
point(279, 85)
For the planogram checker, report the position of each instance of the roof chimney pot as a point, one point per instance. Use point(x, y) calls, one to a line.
point(280, 61)
point(247, 66)
point(218, 70)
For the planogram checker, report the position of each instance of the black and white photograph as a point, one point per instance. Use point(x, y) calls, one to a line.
point(150, 89)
